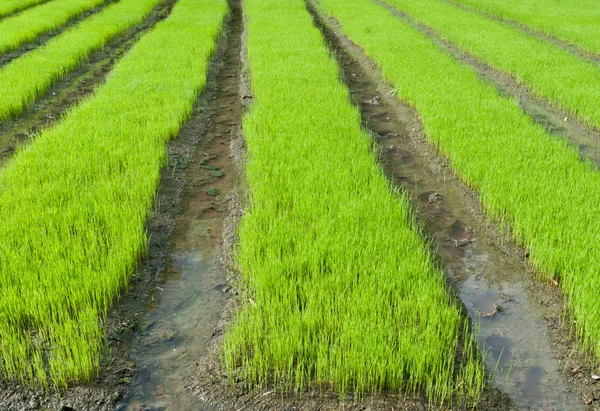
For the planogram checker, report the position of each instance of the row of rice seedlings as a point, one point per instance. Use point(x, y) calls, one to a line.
point(576, 22)
point(8, 7)
point(23, 80)
point(25, 27)
point(74, 204)
point(553, 74)
point(339, 289)
point(527, 179)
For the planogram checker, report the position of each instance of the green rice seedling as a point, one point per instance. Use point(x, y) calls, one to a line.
point(23, 80)
point(527, 179)
point(74, 204)
point(26, 26)
point(8, 7)
point(339, 289)
point(553, 74)
point(575, 22)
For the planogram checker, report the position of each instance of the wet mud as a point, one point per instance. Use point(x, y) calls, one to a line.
point(190, 293)
point(528, 349)
point(42, 39)
point(74, 87)
point(211, 384)
point(584, 138)
point(176, 276)
point(571, 48)
point(164, 335)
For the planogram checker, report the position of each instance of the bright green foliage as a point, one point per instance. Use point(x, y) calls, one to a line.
point(527, 178)
point(8, 7)
point(339, 288)
point(23, 80)
point(74, 204)
point(25, 27)
point(553, 74)
point(575, 21)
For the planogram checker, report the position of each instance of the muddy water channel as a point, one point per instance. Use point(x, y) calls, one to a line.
point(186, 301)
point(492, 285)
point(74, 87)
point(571, 48)
point(43, 38)
point(556, 121)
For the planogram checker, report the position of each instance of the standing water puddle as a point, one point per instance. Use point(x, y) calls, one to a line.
point(491, 284)
point(187, 300)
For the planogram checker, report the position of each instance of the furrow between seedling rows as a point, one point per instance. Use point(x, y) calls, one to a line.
point(577, 23)
point(25, 79)
point(74, 204)
point(26, 26)
point(9, 7)
point(527, 179)
point(339, 290)
point(553, 74)
point(73, 87)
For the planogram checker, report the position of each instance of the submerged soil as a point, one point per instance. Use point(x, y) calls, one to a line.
point(164, 335)
point(529, 348)
point(207, 174)
point(554, 120)
point(74, 87)
point(189, 294)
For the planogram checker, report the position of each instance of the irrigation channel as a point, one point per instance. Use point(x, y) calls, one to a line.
point(74, 87)
point(554, 120)
point(572, 48)
point(490, 278)
point(43, 38)
point(164, 328)
point(189, 295)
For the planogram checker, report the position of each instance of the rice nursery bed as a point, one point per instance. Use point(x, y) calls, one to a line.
point(26, 26)
point(332, 288)
point(574, 23)
point(14, 6)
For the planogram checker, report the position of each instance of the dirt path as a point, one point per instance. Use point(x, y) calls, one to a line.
point(74, 87)
point(571, 48)
point(554, 120)
point(520, 320)
point(6, 58)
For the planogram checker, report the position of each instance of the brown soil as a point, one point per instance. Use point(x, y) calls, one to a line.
point(212, 385)
point(556, 121)
point(43, 38)
point(124, 321)
point(571, 48)
point(204, 226)
point(401, 156)
point(213, 137)
point(74, 87)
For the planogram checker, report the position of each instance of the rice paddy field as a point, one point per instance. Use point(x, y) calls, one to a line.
point(299, 205)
